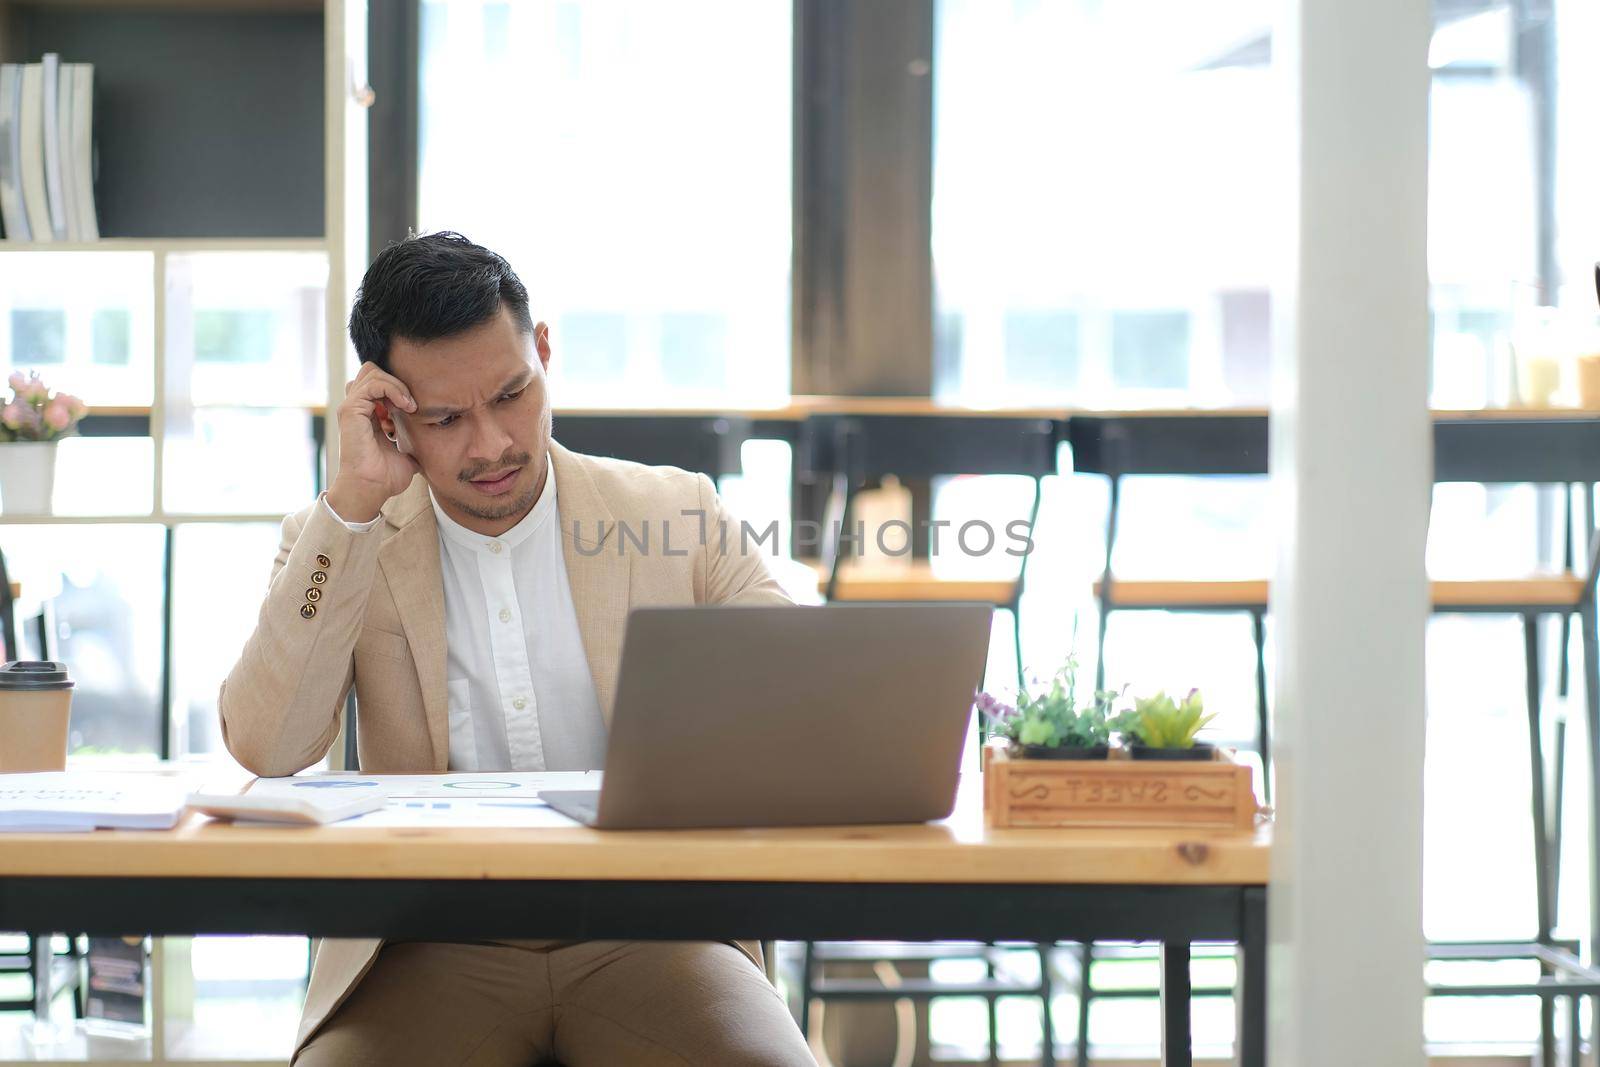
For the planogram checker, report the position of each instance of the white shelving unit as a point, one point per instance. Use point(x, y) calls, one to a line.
point(75, 28)
point(29, 27)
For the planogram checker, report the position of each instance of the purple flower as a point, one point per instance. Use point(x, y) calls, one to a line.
point(993, 709)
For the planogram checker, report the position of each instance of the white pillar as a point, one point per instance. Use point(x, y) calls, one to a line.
point(1351, 460)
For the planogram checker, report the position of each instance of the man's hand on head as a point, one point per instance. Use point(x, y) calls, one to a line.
point(372, 465)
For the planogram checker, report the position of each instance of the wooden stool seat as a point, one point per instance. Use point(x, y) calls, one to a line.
point(1544, 591)
point(913, 580)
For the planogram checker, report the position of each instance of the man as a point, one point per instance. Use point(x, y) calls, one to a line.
point(462, 572)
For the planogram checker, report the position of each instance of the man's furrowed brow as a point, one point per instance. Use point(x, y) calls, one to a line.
point(518, 380)
point(438, 411)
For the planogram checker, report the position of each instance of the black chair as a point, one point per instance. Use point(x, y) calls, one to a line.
point(1121, 446)
point(1545, 451)
point(705, 444)
point(818, 987)
point(849, 453)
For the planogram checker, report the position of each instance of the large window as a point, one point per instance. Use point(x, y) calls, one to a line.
point(1110, 184)
point(631, 159)
point(1109, 194)
point(1107, 190)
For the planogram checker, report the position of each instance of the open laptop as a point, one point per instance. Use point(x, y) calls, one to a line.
point(786, 716)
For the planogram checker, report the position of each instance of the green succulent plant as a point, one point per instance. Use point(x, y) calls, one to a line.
point(1161, 722)
point(1054, 718)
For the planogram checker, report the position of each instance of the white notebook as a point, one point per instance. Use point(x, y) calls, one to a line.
point(88, 800)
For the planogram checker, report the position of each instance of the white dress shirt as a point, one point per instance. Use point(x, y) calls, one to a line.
point(520, 694)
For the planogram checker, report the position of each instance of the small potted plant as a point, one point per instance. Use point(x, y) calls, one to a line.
point(31, 424)
point(1159, 727)
point(1052, 725)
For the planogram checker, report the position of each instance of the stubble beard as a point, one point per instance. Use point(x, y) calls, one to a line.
point(520, 506)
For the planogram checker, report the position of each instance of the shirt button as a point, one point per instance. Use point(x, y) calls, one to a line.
point(519, 703)
point(505, 614)
point(494, 546)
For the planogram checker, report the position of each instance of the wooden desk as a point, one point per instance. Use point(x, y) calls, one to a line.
point(950, 880)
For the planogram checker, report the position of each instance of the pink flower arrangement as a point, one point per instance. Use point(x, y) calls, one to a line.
point(35, 414)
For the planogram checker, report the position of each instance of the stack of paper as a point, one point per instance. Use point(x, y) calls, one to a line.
point(85, 800)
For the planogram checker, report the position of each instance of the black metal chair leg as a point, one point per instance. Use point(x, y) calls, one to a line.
point(1574, 1031)
point(1105, 586)
point(1047, 1028)
point(836, 557)
point(1016, 638)
point(1085, 995)
point(1591, 701)
point(1564, 661)
point(1022, 578)
point(80, 988)
point(1541, 841)
point(1258, 627)
point(1558, 803)
point(805, 989)
point(993, 1004)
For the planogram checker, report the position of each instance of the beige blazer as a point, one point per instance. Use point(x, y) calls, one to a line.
point(367, 609)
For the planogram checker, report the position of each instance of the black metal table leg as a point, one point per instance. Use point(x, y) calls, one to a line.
point(1177, 1048)
point(1544, 897)
point(1250, 994)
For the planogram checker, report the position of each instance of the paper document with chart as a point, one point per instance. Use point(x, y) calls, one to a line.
point(508, 799)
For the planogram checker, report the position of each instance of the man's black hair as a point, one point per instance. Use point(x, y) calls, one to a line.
point(431, 286)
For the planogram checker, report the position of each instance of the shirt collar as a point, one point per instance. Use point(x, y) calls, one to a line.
point(541, 512)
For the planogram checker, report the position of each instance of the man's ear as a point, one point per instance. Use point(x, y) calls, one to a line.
point(386, 423)
point(391, 428)
point(541, 343)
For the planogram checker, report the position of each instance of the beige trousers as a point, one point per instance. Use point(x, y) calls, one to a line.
point(584, 1004)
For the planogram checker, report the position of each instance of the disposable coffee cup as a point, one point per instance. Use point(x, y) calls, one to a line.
point(35, 707)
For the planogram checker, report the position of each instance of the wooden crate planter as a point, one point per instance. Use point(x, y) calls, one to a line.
point(1119, 791)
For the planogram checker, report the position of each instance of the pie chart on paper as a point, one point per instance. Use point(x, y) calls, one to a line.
point(330, 783)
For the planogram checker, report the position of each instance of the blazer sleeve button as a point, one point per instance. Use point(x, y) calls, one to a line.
point(308, 611)
point(313, 594)
point(319, 577)
point(324, 561)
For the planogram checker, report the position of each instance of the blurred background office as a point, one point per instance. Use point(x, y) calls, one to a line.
point(718, 204)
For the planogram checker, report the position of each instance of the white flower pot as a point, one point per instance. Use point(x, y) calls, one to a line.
point(27, 477)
